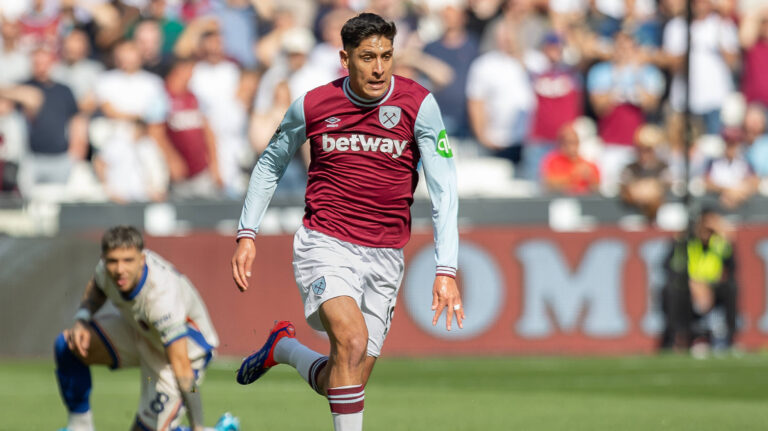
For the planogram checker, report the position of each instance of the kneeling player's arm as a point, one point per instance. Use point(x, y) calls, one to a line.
point(93, 300)
point(185, 377)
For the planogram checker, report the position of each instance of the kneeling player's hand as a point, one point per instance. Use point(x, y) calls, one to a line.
point(446, 295)
point(79, 338)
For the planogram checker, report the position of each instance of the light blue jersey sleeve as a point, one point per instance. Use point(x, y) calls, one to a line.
point(270, 168)
point(440, 174)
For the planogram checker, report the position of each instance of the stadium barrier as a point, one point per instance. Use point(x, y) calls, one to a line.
point(526, 291)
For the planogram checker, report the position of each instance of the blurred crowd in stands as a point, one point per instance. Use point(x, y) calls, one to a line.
point(146, 100)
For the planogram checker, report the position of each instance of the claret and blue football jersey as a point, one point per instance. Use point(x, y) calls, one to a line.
point(363, 169)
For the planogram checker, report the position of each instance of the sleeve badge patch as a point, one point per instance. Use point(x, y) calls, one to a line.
point(443, 146)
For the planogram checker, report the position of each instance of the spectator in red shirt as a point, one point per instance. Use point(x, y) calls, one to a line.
point(558, 90)
point(753, 36)
point(190, 135)
point(565, 171)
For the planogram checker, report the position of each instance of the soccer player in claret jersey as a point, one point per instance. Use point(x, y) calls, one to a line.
point(138, 311)
point(367, 134)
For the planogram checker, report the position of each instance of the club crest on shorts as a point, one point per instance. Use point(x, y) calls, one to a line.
point(318, 286)
point(389, 116)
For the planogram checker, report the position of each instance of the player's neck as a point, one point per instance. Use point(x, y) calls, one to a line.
point(356, 97)
point(134, 291)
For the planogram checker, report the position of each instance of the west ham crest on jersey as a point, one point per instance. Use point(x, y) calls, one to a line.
point(389, 116)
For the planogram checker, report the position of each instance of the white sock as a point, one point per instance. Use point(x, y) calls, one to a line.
point(306, 361)
point(80, 421)
point(348, 422)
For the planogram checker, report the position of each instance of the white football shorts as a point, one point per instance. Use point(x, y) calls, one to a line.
point(326, 267)
point(160, 403)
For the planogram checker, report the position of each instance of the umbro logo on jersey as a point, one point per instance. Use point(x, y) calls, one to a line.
point(362, 142)
point(332, 122)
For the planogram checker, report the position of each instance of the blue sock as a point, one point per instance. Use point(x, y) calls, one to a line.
point(74, 377)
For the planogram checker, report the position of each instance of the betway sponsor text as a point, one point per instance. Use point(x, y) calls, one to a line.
point(361, 142)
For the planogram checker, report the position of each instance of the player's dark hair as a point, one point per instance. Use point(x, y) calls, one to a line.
point(121, 236)
point(364, 26)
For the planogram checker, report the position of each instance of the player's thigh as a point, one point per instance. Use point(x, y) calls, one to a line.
point(344, 322)
point(160, 404)
point(113, 340)
point(381, 283)
point(325, 268)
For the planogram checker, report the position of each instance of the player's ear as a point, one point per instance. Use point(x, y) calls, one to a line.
point(344, 57)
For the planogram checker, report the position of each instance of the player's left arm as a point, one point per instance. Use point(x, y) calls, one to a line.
point(440, 174)
point(178, 357)
point(168, 317)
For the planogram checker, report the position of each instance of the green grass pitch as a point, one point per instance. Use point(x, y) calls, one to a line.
point(474, 394)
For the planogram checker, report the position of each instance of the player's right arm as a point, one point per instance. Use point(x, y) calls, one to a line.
point(79, 337)
point(266, 174)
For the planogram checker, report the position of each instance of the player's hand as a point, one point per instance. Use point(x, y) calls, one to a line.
point(445, 294)
point(242, 262)
point(79, 338)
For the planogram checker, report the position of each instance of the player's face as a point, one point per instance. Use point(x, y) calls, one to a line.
point(124, 266)
point(370, 66)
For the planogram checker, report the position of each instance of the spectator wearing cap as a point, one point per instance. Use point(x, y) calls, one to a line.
point(622, 92)
point(457, 49)
point(564, 171)
point(731, 176)
point(646, 181)
point(558, 90)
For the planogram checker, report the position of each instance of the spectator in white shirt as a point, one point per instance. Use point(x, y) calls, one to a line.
point(714, 57)
point(132, 168)
point(500, 98)
point(216, 83)
point(731, 176)
point(127, 95)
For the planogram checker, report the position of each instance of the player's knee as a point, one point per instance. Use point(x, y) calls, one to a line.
point(353, 346)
